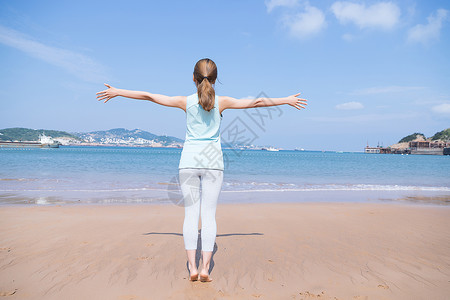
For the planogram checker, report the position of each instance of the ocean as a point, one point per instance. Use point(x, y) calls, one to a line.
point(117, 175)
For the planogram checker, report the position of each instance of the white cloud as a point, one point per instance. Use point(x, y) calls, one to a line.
point(384, 15)
point(306, 23)
point(386, 90)
point(271, 4)
point(74, 63)
point(425, 33)
point(443, 109)
point(350, 106)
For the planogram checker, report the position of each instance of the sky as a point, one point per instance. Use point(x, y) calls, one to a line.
point(372, 71)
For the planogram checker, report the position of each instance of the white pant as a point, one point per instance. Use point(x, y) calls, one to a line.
point(196, 202)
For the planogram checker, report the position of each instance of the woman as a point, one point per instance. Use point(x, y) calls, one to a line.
point(201, 159)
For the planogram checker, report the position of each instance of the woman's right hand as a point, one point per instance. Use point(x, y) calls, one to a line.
point(297, 102)
point(107, 94)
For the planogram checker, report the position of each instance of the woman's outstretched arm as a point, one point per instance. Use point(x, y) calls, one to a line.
point(230, 102)
point(111, 92)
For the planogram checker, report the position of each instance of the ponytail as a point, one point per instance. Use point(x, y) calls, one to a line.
point(206, 94)
point(205, 75)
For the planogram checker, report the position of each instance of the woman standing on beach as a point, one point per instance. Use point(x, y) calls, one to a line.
point(201, 159)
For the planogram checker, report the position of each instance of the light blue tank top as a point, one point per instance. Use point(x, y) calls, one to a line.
point(202, 147)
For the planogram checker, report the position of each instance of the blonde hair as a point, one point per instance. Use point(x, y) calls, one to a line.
point(205, 75)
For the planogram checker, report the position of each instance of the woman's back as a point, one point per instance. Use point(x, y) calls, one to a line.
point(202, 124)
point(202, 147)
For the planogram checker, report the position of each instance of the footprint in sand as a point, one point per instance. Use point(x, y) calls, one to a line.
point(308, 295)
point(9, 293)
point(256, 295)
point(143, 258)
point(383, 286)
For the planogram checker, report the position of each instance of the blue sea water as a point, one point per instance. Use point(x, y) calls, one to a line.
point(150, 175)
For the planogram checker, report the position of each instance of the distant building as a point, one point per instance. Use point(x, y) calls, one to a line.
point(372, 149)
point(427, 144)
point(377, 149)
point(428, 147)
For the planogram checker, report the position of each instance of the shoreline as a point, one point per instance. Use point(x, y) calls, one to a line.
point(263, 251)
point(405, 202)
point(164, 197)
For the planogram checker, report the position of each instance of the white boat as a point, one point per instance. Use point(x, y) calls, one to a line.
point(270, 149)
point(47, 142)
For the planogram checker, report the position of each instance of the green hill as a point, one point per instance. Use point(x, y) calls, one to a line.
point(26, 134)
point(443, 135)
point(412, 137)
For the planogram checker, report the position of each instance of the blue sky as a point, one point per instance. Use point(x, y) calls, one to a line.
point(373, 71)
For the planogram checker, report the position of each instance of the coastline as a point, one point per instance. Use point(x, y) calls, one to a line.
point(173, 197)
point(263, 251)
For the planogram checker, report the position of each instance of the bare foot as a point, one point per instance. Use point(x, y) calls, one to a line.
point(204, 277)
point(193, 274)
point(194, 277)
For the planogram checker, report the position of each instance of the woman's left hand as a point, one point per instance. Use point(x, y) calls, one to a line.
point(297, 102)
point(107, 94)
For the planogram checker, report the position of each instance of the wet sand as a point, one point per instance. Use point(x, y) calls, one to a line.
point(263, 251)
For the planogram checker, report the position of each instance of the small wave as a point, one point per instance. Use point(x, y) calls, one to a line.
point(18, 179)
point(90, 191)
point(253, 183)
point(264, 187)
point(356, 187)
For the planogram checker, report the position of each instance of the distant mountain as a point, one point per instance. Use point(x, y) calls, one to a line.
point(27, 134)
point(116, 136)
point(443, 135)
point(122, 136)
point(412, 137)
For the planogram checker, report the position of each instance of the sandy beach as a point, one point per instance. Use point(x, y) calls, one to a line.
point(263, 251)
